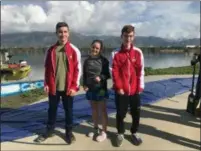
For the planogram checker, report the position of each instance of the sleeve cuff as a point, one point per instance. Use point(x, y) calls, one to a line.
point(140, 90)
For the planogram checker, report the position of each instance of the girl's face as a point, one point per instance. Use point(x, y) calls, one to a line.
point(95, 49)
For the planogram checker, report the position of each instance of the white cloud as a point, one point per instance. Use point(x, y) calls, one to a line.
point(172, 20)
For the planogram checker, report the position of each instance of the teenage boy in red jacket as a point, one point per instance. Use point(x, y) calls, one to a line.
point(62, 76)
point(127, 67)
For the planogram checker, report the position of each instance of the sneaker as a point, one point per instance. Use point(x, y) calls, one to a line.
point(136, 140)
point(96, 130)
point(43, 137)
point(119, 139)
point(70, 138)
point(101, 137)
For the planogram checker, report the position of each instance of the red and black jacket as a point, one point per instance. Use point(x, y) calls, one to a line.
point(127, 69)
point(74, 68)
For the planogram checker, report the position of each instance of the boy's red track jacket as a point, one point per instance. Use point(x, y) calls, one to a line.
point(74, 68)
point(127, 69)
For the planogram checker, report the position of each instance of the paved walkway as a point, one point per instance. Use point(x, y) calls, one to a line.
point(165, 125)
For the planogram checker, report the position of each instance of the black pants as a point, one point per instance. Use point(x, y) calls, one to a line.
point(122, 102)
point(68, 108)
point(198, 89)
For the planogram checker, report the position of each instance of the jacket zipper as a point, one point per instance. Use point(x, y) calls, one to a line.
point(68, 67)
point(53, 65)
point(128, 76)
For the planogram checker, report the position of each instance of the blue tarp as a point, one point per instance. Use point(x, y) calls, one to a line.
point(28, 120)
point(8, 89)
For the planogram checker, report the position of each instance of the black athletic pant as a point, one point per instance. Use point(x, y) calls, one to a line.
point(122, 102)
point(198, 89)
point(68, 108)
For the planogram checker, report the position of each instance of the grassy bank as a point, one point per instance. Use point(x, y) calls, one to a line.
point(35, 95)
point(25, 98)
point(171, 71)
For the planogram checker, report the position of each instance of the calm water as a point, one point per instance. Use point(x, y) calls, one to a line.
point(36, 60)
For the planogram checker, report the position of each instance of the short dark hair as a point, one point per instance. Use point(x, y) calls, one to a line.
point(99, 41)
point(128, 29)
point(61, 24)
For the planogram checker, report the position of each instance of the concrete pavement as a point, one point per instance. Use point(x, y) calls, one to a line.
point(164, 125)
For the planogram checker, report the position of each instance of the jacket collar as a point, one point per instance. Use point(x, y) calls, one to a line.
point(124, 49)
point(57, 43)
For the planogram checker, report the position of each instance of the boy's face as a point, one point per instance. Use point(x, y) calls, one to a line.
point(62, 34)
point(127, 38)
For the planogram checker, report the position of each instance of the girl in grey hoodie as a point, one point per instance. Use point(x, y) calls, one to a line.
point(95, 75)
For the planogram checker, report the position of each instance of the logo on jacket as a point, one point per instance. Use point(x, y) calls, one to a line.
point(133, 60)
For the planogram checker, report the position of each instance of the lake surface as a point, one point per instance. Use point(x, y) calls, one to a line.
point(36, 60)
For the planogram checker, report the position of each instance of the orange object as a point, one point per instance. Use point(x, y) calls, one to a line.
point(13, 66)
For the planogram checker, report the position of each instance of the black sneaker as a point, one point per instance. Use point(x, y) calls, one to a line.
point(119, 139)
point(136, 140)
point(70, 138)
point(43, 137)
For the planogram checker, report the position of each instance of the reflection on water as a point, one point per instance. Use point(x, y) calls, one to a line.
point(36, 60)
point(167, 60)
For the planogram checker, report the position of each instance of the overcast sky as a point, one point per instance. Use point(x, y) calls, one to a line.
point(169, 19)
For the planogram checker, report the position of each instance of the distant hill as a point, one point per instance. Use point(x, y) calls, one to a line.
point(37, 39)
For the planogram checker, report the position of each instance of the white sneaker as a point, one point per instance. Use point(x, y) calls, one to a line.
point(101, 137)
point(136, 140)
point(95, 131)
point(119, 139)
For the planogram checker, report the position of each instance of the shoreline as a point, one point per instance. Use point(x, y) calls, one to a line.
point(183, 70)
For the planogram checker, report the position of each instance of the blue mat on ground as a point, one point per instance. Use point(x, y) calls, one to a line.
point(29, 120)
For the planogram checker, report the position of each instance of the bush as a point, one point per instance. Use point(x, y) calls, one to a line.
point(33, 93)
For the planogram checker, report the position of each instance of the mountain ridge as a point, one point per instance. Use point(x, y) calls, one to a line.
point(40, 39)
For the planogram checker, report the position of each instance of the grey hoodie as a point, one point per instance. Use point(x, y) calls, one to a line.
point(93, 67)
